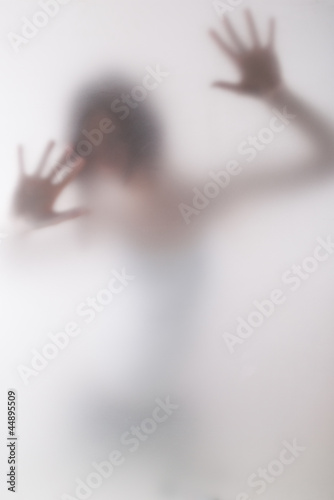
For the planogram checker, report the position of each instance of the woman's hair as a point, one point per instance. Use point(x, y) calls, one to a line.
point(136, 128)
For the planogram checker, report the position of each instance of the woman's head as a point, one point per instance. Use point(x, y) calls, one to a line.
point(114, 131)
point(119, 138)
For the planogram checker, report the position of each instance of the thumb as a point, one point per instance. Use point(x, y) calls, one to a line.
point(233, 87)
point(58, 218)
point(67, 215)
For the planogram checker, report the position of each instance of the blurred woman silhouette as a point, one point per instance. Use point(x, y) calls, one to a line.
point(128, 191)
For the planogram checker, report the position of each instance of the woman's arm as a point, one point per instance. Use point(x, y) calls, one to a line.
point(312, 123)
point(261, 77)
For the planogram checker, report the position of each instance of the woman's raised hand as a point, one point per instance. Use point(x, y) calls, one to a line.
point(35, 194)
point(257, 63)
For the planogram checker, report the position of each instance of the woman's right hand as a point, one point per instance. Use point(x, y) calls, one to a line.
point(35, 196)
